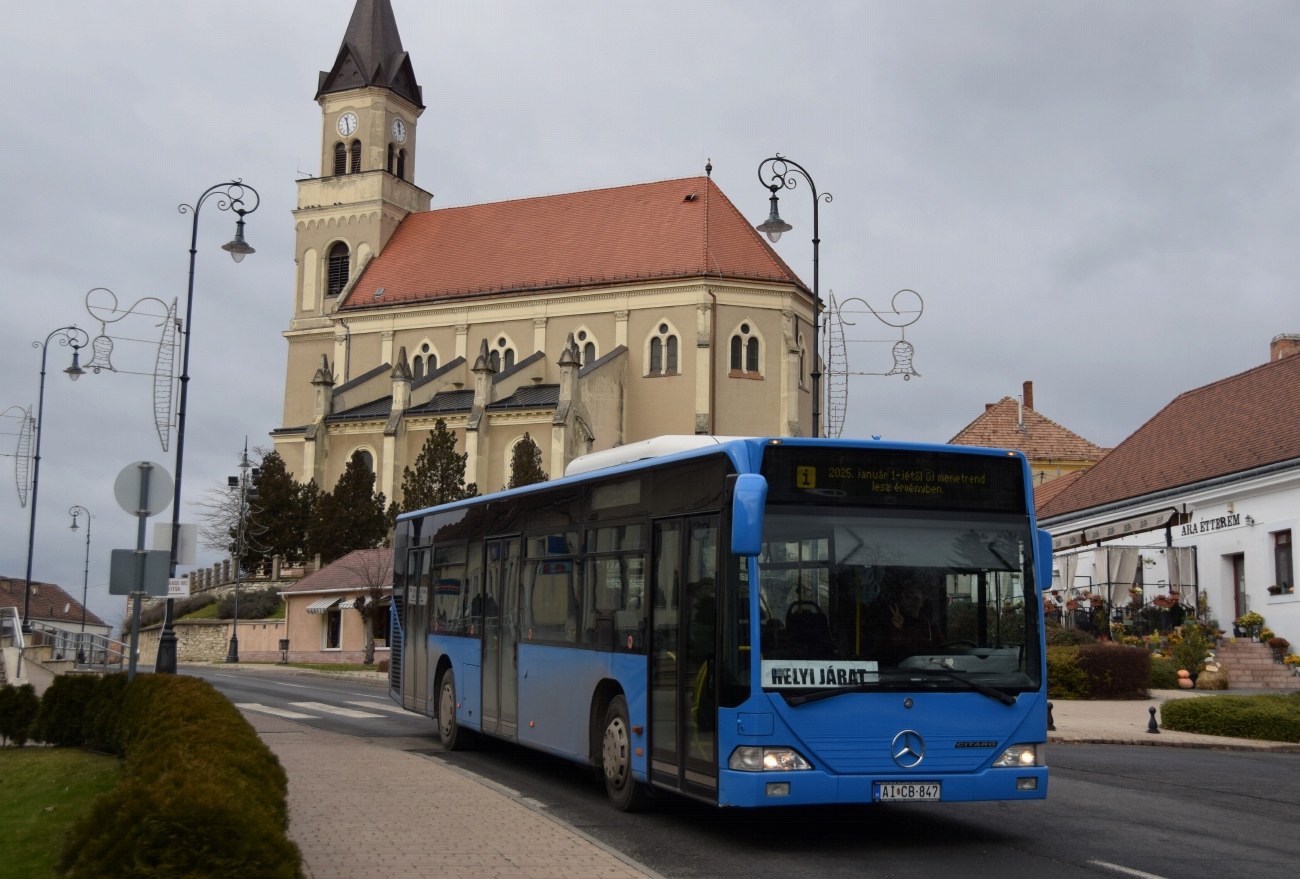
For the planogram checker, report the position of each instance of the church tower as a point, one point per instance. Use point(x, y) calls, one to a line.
point(370, 104)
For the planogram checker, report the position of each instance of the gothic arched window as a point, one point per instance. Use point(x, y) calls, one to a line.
point(337, 273)
point(401, 164)
point(390, 158)
point(417, 371)
point(356, 157)
point(662, 350)
point(340, 159)
point(746, 352)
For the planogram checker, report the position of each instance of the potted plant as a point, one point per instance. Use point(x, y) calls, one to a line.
point(1249, 624)
point(1278, 646)
point(1275, 590)
point(1292, 661)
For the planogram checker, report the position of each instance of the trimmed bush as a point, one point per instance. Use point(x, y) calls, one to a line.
point(1274, 718)
point(1065, 680)
point(62, 718)
point(254, 604)
point(382, 666)
point(1058, 637)
point(18, 708)
point(1164, 674)
point(1115, 672)
point(200, 796)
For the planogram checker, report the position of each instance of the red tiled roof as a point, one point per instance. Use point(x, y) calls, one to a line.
point(1041, 439)
point(49, 602)
point(628, 234)
point(356, 570)
point(1235, 424)
point(1044, 493)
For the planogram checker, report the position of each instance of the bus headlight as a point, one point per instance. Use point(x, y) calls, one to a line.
point(1019, 756)
point(750, 758)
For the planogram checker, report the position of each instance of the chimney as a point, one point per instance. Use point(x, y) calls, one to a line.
point(1029, 395)
point(1284, 345)
point(988, 406)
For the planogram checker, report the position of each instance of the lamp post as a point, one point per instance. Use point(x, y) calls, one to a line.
point(243, 483)
point(85, 579)
point(230, 197)
point(76, 339)
point(781, 176)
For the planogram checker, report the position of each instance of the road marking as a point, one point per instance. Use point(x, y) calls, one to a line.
point(334, 709)
point(1127, 871)
point(380, 706)
point(278, 712)
point(295, 686)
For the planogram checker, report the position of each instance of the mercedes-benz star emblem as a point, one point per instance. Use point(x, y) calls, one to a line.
point(907, 748)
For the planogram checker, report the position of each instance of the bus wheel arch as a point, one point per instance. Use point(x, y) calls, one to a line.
point(604, 694)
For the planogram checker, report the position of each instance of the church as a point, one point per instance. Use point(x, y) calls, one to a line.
point(587, 320)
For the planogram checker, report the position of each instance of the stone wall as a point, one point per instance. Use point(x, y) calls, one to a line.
point(196, 641)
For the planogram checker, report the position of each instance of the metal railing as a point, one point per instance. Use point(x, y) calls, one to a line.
point(89, 650)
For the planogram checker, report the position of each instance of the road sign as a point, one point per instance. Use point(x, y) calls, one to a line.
point(127, 488)
point(124, 574)
point(186, 550)
point(178, 587)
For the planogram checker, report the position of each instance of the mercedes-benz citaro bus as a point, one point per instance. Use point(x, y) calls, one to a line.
point(749, 622)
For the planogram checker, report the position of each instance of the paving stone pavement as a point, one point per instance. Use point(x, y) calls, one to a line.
point(358, 809)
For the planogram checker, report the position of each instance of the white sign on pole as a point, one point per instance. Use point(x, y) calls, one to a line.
point(178, 587)
point(186, 550)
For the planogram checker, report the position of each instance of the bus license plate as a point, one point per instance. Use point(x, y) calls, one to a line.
point(890, 791)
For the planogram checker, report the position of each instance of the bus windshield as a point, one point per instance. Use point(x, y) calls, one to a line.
point(889, 595)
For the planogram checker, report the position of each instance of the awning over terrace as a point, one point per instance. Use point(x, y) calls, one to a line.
point(321, 605)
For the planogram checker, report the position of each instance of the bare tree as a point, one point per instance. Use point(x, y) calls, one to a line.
point(372, 570)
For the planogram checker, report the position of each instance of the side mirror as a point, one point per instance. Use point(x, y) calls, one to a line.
point(1044, 560)
point(748, 501)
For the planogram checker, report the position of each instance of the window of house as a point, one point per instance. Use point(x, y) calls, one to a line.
point(340, 159)
point(390, 159)
point(356, 157)
point(663, 351)
point(1284, 575)
point(745, 352)
point(401, 164)
point(332, 620)
point(337, 273)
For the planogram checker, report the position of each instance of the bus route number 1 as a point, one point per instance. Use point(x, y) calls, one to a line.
point(806, 477)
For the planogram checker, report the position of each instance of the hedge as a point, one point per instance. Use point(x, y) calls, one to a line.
point(1164, 674)
point(18, 707)
point(254, 604)
point(1275, 718)
point(151, 616)
point(1098, 671)
point(200, 795)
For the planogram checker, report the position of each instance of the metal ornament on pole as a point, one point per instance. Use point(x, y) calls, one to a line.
point(782, 177)
point(142, 489)
point(230, 197)
point(76, 339)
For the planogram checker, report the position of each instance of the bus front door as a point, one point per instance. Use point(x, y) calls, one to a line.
point(501, 638)
point(415, 632)
point(683, 707)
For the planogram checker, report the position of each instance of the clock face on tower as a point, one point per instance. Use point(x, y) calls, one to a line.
point(347, 124)
point(399, 131)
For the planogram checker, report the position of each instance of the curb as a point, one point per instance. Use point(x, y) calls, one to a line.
point(1273, 747)
point(361, 677)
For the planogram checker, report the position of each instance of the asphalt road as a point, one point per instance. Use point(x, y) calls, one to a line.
point(1177, 813)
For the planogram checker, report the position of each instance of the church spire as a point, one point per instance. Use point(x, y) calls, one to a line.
point(372, 55)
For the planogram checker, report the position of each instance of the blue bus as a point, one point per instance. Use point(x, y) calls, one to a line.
point(752, 622)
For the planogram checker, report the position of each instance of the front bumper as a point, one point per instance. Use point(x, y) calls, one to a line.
point(810, 787)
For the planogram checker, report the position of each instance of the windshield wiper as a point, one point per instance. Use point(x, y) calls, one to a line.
point(982, 689)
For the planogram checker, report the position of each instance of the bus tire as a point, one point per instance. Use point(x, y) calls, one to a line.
point(449, 731)
point(625, 792)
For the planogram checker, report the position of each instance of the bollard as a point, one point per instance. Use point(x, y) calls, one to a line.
point(1051, 724)
point(1151, 723)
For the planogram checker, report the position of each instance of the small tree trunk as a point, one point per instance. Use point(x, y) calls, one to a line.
point(369, 628)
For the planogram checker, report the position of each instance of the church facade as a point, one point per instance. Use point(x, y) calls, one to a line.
point(586, 320)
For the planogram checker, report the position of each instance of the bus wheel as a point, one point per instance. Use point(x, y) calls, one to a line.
point(453, 737)
point(625, 792)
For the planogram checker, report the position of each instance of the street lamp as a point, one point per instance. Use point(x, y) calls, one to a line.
point(781, 176)
point(230, 197)
point(243, 482)
point(76, 339)
point(85, 579)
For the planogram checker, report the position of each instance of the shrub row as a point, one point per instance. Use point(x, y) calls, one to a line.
point(18, 707)
point(1275, 718)
point(254, 604)
point(200, 795)
point(151, 616)
point(1098, 671)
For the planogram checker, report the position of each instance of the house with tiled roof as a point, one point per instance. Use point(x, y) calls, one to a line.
point(584, 319)
point(1053, 451)
point(51, 605)
point(1216, 471)
point(321, 623)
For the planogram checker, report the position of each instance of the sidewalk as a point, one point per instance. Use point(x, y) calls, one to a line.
point(1125, 723)
point(360, 809)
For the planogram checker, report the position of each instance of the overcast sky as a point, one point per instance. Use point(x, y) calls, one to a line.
point(1101, 198)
